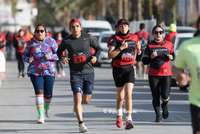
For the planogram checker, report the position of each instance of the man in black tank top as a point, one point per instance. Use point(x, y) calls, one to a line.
point(80, 63)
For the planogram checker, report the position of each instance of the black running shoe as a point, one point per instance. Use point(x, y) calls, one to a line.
point(165, 113)
point(158, 119)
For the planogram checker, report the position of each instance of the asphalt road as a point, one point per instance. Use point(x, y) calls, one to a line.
point(18, 112)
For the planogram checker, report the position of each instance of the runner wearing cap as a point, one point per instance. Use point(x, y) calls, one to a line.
point(173, 32)
point(80, 63)
point(122, 50)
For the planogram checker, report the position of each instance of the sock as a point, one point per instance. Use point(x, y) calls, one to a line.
point(47, 103)
point(128, 118)
point(119, 112)
point(80, 122)
point(39, 100)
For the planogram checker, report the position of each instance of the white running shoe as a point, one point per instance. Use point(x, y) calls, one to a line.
point(48, 113)
point(40, 119)
point(144, 76)
point(82, 128)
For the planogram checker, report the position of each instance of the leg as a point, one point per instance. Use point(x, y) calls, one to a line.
point(128, 98)
point(165, 94)
point(48, 89)
point(144, 69)
point(38, 83)
point(120, 97)
point(154, 86)
point(18, 62)
point(78, 106)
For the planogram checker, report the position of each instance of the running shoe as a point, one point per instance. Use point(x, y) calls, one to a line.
point(23, 75)
point(19, 76)
point(144, 76)
point(129, 125)
point(40, 119)
point(48, 113)
point(140, 72)
point(82, 128)
point(165, 113)
point(158, 119)
point(63, 73)
point(74, 111)
point(119, 122)
point(59, 75)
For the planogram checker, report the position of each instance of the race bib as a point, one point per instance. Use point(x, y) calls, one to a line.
point(127, 57)
point(79, 58)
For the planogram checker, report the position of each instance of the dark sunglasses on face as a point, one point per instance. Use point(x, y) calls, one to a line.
point(41, 31)
point(160, 32)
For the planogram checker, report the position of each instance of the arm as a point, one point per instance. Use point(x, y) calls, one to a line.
point(60, 50)
point(138, 47)
point(147, 56)
point(54, 48)
point(181, 77)
point(26, 54)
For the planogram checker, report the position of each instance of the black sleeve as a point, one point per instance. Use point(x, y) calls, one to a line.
point(173, 55)
point(113, 41)
point(15, 43)
point(94, 44)
point(61, 48)
point(146, 56)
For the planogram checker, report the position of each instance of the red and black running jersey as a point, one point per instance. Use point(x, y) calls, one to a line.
point(127, 56)
point(2, 40)
point(160, 65)
point(170, 36)
point(22, 40)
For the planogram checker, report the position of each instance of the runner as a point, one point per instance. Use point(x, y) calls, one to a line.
point(188, 55)
point(80, 63)
point(9, 45)
point(158, 53)
point(122, 49)
point(58, 63)
point(172, 32)
point(143, 38)
point(40, 52)
point(2, 59)
point(19, 42)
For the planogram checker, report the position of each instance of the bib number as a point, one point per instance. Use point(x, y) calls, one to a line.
point(127, 57)
point(79, 58)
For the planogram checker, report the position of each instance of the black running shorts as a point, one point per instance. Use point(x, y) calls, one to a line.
point(195, 115)
point(123, 75)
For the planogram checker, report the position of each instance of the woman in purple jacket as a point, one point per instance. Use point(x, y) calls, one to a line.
point(40, 52)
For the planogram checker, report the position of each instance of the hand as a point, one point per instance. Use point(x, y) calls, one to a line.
point(47, 57)
point(65, 60)
point(19, 43)
point(93, 60)
point(30, 59)
point(170, 57)
point(139, 52)
point(124, 45)
point(182, 79)
point(154, 54)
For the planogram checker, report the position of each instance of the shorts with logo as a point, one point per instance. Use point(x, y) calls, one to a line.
point(82, 82)
point(124, 75)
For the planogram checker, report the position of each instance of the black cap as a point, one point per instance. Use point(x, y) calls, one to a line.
point(122, 21)
point(20, 30)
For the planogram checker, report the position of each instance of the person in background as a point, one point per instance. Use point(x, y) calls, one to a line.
point(40, 53)
point(89, 31)
point(158, 54)
point(28, 35)
point(143, 38)
point(58, 62)
point(172, 32)
point(188, 55)
point(122, 49)
point(19, 42)
point(2, 58)
point(9, 45)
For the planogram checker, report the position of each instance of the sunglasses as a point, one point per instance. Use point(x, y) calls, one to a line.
point(160, 32)
point(41, 31)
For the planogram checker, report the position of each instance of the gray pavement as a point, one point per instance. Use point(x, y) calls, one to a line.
point(18, 112)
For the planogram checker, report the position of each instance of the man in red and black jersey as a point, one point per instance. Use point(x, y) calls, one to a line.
point(122, 50)
point(19, 42)
point(158, 53)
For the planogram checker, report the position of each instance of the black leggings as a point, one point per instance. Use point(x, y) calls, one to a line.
point(20, 62)
point(58, 66)
point(160, 85)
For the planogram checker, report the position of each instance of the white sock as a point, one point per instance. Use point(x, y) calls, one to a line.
point(128, 118)
point(119, 112)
